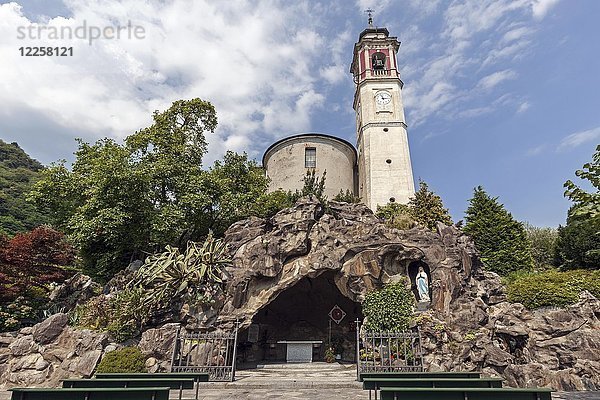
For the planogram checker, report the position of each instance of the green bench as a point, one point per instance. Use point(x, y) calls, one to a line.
point(148, 393)
point(452, 374)
point(376, 384)
point(400, 393)
point(172, 383)
point(197, 376)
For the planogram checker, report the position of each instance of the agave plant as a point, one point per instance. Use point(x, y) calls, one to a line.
point(189, 275)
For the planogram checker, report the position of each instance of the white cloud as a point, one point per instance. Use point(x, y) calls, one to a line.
point(524, 106)
point(493, 79)
point(534, 151)
point(258, 63)
point(477, 46)
point(579, 138)
point(541, 7)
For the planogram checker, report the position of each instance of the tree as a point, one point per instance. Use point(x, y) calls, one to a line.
point(36, 258)
point(18, 173)
point(29, 262)
point(578, 244)
point(427, 208)
point(501, 240)
point(120, 201)
point(587, 204)
point(543, 244)
point(232, 189)
point(396, 215)
point(313, 186)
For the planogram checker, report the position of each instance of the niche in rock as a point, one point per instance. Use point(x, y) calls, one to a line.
point(301, 313)
point(413, 271)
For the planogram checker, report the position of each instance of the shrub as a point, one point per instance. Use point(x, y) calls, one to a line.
point(123, 314)
point(552, 288)
point(388, 309)
point(346, 197)
point(125, 360)
point(543, 244)
point(396, 215)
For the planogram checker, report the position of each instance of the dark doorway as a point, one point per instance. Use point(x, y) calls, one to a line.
point(301, 313)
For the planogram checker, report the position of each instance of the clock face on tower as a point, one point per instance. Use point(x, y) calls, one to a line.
point(383, 97)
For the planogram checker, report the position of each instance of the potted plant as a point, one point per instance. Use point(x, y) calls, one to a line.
point(329, 355)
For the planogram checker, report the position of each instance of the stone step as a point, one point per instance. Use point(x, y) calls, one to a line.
point(284, 384)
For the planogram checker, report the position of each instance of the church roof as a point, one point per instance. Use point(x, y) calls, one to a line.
point(373, 30)
point(309, 135)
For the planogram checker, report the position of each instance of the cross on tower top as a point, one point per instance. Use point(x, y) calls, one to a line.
point(370, 14)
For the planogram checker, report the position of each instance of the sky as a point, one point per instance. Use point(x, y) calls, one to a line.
point(503, 94)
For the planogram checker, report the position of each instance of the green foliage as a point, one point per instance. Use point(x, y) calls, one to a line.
point(166, 279)
point(543, 244)
point(329, 355)
point(578, 243)
point(18, 173)
point(552, 287)
point(19, 312)
point(122, 314)
point(313, 186)
point(427, 208)
point(587, 204)
point(269, 204)
point(125, 360)
point(231, 190)
point(501, 240)
point(121, 201)
point(396, 215)
point(193, 276)
point(347, 197)
point(388, 309)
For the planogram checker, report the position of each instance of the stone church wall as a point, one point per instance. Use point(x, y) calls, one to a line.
point(285, 164)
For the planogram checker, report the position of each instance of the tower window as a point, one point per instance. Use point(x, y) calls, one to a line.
point(392, 200)
point(388, 161)
point(310, 157)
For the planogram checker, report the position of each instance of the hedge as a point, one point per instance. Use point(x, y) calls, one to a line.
point(552, 288)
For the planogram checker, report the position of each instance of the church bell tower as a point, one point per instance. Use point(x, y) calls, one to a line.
point(384, 168)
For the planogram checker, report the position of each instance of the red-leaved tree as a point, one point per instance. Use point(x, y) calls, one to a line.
point(33, 259)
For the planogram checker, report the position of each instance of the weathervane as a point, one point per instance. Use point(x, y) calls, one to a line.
point(370, 14)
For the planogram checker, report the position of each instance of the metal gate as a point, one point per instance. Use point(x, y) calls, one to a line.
point(388, 351)
point(213, 353)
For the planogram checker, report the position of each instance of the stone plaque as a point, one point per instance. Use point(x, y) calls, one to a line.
point(253, 333)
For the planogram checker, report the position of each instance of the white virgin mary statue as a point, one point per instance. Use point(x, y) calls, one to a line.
point(423, 285)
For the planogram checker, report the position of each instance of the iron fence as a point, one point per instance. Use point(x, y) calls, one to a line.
point(213, 353)
point(388, 351)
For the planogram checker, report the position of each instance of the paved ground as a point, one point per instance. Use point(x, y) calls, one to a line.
point(302, 381)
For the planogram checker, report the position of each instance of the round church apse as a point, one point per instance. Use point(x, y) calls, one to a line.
point(313, 312)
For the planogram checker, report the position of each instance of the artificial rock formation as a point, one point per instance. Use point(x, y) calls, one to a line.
point(470, 325)
point(271, 256)
point(44, 354)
